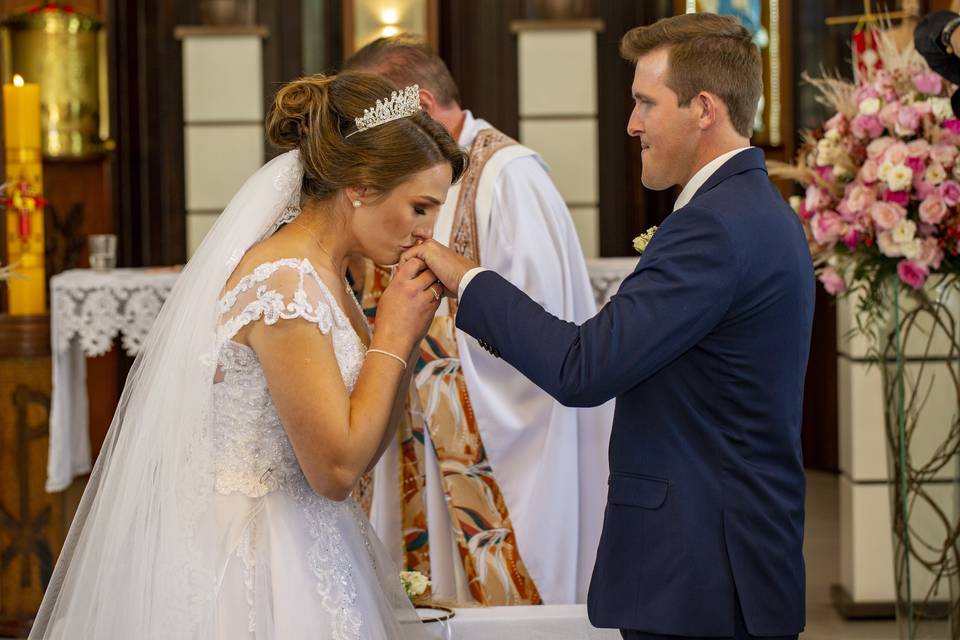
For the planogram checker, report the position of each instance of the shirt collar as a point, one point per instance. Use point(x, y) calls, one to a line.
point(701, 177)
point(471, 127)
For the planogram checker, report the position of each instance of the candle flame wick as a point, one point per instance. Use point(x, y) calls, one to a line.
point(18, 80)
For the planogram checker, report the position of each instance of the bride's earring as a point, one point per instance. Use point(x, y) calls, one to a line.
point(356, 204)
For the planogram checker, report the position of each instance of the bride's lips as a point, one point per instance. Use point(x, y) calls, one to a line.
point(406, 247)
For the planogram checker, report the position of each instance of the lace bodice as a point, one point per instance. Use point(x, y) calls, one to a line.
point(253, 454)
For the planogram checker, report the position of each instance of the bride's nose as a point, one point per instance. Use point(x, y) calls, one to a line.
point(423, 233)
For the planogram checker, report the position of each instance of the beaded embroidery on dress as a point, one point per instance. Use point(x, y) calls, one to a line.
point(303, 566)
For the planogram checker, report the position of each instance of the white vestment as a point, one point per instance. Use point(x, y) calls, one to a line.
point(549, 461)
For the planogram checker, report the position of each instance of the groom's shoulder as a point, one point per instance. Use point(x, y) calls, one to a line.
point(746, 198)
point(695, 222)
point(750, 210)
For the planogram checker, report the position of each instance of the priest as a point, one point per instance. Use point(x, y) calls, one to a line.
point(492, 488)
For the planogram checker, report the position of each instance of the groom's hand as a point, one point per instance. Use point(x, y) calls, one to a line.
point(448, 266)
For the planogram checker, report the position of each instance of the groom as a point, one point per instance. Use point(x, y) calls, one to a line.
point(704, 348)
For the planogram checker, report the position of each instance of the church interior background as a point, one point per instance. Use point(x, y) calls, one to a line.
point(152, 113)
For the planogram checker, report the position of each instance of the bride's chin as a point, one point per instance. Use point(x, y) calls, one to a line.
point(387, 260)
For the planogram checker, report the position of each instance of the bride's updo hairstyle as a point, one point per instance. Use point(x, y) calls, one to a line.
point(315, 114)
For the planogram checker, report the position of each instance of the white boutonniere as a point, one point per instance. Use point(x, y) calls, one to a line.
point(641, 241)
point(414, 583)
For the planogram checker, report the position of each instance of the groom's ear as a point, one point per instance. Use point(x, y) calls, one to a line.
point(710, 109)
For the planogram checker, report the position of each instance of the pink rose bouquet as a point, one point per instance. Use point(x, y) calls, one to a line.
point(881, 178)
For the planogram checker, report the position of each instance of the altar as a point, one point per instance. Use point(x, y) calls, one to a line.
point(89, 310)
point(543, 622)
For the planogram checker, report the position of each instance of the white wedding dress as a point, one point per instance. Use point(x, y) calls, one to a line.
point(298, 565)
point(197, 522)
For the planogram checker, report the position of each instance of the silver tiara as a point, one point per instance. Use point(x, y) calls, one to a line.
point(402, 104)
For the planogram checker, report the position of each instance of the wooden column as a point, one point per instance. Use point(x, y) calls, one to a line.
point(32, 522)
point(476, 43)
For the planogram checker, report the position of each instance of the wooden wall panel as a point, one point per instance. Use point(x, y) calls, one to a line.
point(282, 49)
point(627, 208)
point(32, 526)
point(146, 104)
point(477, 45)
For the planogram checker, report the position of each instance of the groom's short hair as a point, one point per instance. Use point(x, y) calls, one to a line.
point(709, 53)
point(405, 59)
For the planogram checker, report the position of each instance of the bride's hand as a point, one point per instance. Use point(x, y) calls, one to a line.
point(406, 308)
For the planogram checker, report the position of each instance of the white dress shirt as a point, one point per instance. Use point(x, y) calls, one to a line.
point(700, 177)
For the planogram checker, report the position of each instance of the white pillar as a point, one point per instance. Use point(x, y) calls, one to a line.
point(866, 539)
point(223, 119)
point(558, 112)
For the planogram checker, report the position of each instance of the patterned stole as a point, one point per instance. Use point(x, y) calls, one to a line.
point(481, 524)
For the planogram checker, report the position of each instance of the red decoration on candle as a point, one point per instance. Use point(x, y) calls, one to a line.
point(24, 201)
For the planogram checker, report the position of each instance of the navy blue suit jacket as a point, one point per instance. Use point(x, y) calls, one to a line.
point(704, 348)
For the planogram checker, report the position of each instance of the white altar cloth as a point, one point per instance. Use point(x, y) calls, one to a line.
point(543, 622)
point(88, 311)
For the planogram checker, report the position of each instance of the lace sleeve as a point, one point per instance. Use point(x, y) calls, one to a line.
point(274, 291)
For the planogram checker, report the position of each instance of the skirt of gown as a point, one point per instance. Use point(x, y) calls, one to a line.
point(306, 567)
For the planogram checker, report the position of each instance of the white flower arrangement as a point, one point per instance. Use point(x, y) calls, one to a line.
point(641, 241)
point(414, 583)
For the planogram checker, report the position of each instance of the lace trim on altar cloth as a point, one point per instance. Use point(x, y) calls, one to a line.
point(96, 308)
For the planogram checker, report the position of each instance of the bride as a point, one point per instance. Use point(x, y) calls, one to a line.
point(219, 506)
